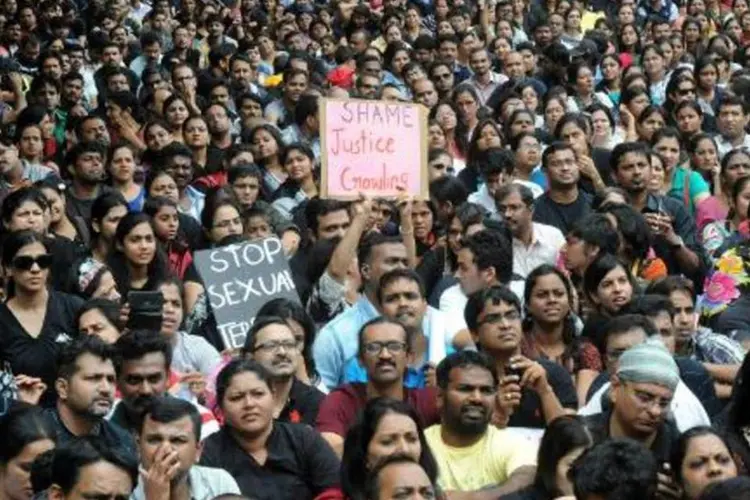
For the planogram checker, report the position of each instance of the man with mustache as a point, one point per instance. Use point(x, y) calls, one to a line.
point(384, 349)
point(643, 387)
point(401, 295)
point(471, 454)
point(86, 388)
point(143, 361)
point(532, 393)
point(271, 342)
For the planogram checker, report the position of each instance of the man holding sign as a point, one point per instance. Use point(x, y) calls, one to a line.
point(241, 278)
point(373, 147)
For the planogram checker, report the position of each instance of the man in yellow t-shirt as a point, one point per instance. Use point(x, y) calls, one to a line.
point(471, 454)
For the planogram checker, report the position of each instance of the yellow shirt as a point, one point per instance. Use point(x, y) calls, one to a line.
point(488, 462)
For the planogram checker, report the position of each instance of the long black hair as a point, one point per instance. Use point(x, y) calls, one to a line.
point(563, 435)
point(569, 337)
point(354, 467)
point(21, 426)
point(158, 268)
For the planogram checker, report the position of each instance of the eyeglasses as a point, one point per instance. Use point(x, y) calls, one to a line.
point(497, 318)
point(646, 401)
point(686, 91)
point(275, 345)
point(26, 262)
point(393, 347)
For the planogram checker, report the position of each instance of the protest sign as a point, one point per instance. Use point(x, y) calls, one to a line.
point(373, 147)
point(239, 279)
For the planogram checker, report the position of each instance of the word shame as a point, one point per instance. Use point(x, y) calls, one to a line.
point(373, 147)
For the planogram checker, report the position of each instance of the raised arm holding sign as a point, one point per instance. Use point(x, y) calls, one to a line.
point(373, 147)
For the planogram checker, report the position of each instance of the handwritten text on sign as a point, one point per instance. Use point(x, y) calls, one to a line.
point(373, 147)
point(241, 278)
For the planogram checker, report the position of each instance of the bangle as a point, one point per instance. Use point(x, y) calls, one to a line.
point(403, 232)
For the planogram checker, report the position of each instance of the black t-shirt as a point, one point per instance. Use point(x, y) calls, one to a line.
point(300, 464)
point(302, 407)
point(529, 412)
point(666, 436)
point(37, 357)
point(547, 211)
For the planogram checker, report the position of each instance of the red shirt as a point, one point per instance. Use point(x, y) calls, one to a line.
point(339, 409)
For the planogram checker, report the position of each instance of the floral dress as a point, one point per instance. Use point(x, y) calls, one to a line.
point(726, 283)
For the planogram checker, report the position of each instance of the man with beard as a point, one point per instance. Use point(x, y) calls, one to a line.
point(85, 164)
point(484, 80)
point(534, 243)
point(85, 387)
point(271, 343)
point(471, 454)
point(675, 235)
point(533, 392)
point(169, 449)
point(92, 128)
point(143, 360)
point(642, 391)
point(402, 298)
point(384, 348)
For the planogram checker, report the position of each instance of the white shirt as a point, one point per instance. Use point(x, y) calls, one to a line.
point(724, 146)
point(687, 410)
point(453, 300)
point(206, 483)
point(546, 242)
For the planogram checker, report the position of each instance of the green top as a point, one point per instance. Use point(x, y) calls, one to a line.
point(697, 185)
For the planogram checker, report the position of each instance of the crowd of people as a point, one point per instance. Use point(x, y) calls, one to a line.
point(565, 317)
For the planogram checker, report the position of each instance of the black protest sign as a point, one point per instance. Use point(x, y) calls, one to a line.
point(239, 279)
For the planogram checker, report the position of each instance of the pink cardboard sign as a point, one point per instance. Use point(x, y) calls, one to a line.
point(373, 147)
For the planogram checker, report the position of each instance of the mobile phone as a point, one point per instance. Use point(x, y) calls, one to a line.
point(514, 371)
point(145, 310)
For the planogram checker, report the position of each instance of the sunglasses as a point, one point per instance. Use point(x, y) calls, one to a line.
point(26, 262)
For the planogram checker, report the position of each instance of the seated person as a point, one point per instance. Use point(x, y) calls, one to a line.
point(269, 459)
point(533, 392)
point(622, 333)
point(617, 468)
point(385, 346)
point(471, 454)
point(167, 421)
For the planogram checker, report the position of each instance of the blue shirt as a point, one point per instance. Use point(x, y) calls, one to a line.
point(336, 346)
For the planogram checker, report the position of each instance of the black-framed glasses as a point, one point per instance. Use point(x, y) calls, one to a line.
point(684, 92)
point(393, 347)
point(26, 262)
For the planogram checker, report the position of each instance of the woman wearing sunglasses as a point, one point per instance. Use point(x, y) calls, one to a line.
point(35, 320)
